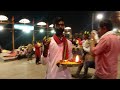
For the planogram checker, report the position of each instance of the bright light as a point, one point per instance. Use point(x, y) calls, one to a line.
point(51, 25)
point(114, 30)
point(3, 18)
point(41, 23)
point(67, 27)
point(1, 28)
point(21, 27)
point(24, 21)
point(53, 31)
point(118, 30)
point(77, 58)
point(100, 16)
point(26, 30)
point(41, 30)
point(68, 32)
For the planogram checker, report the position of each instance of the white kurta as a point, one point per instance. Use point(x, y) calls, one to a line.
point(55, 55)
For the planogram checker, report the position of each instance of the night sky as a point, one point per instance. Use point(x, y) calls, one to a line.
point(77, 20)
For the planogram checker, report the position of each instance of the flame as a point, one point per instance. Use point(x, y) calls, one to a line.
point(77, 58)
point(65, 60)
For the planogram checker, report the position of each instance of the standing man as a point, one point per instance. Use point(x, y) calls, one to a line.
point(85, 45)
point(37, 46)
point(106, 52)
point(56, 49)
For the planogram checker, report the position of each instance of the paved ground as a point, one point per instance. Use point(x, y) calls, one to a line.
point(23, 69)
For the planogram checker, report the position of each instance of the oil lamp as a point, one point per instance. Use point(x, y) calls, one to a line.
point(77, 58)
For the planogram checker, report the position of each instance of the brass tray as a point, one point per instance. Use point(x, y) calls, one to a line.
point(69, 64)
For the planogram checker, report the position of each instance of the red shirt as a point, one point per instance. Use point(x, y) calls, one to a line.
point(37, 50)
point(80, 41)
point(106, 57)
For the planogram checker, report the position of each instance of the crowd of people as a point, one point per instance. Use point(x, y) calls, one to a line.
point(88, 59)
point(95, 50)
point(30, 50)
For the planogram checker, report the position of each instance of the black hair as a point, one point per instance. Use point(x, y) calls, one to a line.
point(107, 23)
point(57, 20)
point(86, 35)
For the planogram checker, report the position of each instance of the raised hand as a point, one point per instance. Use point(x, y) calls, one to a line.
point(46, 42)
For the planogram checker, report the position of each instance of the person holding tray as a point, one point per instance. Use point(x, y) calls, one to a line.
point(57, 48)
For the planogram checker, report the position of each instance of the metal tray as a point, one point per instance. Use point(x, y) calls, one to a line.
point(69, 65)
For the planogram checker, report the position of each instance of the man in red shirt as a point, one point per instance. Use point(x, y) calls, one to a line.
point(106, 52)
point(37, 52)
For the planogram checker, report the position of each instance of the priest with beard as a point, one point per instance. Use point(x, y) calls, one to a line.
point(57, 48)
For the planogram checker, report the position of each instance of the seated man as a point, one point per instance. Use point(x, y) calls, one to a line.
point(21, 54)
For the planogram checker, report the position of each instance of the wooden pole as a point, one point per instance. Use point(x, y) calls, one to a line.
point(33, 39)
point(47, 30)
point(92, 21)
point(13, 42)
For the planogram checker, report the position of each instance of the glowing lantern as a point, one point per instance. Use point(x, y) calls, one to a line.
point(77, 58)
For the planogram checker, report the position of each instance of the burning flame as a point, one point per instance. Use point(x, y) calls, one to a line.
point(77, 58)
point(65, 60)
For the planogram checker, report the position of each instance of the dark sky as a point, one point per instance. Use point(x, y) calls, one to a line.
point(77, 20)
